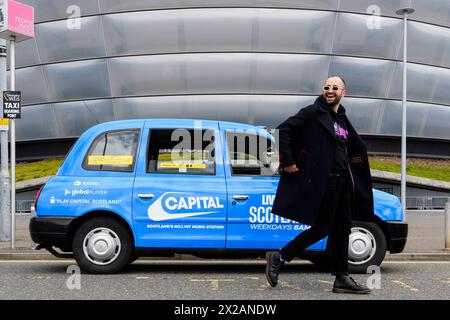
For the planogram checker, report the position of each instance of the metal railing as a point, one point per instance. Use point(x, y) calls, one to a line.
point(23, 207)
point(447, 224)
point(426, 203)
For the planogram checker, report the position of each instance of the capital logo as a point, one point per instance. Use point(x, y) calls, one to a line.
point(177, 205)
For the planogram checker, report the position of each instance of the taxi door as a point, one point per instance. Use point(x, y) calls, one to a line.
point(252, 180)
point(179, 195)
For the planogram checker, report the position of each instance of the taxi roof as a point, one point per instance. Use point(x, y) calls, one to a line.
point(165, 122)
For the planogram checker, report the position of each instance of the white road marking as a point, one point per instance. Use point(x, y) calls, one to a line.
point(446, 281)
point(213, 282)
point(288, 285)
point(41, 277)
point(404, 285)
point(143, 278)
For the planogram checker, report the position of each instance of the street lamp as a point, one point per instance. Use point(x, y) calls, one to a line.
point(405, 9)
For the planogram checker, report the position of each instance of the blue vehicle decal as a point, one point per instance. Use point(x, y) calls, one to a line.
point(177, 205)
point(75, 196)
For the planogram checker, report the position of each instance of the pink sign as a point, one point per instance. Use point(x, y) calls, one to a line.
point(16, 19)
point(21, 18)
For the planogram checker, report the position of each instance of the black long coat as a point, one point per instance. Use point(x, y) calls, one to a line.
point(307, 139)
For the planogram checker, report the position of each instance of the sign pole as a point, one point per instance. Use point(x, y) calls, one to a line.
point(5, 195)
point(16, 24)
point(13, 145)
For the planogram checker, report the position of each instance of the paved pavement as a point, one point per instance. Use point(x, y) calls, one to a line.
point(212, 280)
point(27, 274)
point(425, 240)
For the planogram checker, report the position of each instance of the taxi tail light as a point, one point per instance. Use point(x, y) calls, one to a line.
point(38, 194)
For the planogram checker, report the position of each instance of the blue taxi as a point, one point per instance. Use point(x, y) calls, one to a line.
point(156, 187)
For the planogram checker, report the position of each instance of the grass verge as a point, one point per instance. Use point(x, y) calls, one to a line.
point(38, 169)
point(425, 168)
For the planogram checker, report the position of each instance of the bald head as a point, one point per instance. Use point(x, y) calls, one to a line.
point(333, 91)
point(336, 79)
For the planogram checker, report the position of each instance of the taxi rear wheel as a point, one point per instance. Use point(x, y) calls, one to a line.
point(102, 245)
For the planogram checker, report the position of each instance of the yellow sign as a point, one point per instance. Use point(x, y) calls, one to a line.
point(172, 165)
point(110, 160)
point(4, 124)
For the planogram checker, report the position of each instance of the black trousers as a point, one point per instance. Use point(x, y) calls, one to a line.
point(334, 220)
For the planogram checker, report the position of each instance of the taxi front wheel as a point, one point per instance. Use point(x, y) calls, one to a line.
point(102, 245)
point(366, 248)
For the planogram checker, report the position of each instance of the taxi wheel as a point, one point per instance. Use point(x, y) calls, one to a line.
point(102, 245)
point(367, 247)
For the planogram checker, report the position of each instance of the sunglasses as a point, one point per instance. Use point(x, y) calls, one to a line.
point(326, 88)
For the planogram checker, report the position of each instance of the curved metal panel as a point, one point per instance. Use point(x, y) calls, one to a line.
point(229, 29)
point(217, 73)
point(130, 5)
point(428, 44)
point(364, 77)
point(56, 42)
point(77, 80)
point(425, 83)
point(30, 128)
point(31, 82)
point(356, 35)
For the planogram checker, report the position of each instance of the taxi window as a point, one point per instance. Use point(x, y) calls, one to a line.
point(181, 151)
point(252, 154)
point(113, 151)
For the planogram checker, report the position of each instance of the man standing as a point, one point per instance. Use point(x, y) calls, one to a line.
point(325, 183)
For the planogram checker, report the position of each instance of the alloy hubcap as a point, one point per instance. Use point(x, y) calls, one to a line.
point(101, 246)
point(361, 246)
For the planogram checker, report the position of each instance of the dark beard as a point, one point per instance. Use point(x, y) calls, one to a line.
point(335, 102)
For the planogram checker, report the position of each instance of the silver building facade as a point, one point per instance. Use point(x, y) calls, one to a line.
point(247, 61)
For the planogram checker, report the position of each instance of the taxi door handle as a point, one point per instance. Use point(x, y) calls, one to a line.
point(146, 195)
point(240, 197)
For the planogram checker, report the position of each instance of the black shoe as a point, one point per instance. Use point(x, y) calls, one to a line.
point(346, 284)
point(272, 268)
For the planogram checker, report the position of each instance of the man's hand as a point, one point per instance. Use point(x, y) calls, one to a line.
point(291, 169)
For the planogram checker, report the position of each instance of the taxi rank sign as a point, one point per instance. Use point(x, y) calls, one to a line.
point(11, 104)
